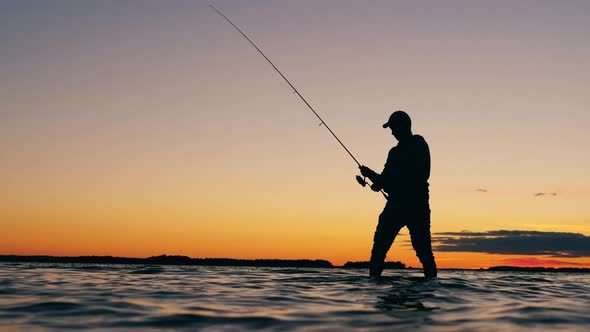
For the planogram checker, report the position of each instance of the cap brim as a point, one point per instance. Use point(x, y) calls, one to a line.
point(385, 125)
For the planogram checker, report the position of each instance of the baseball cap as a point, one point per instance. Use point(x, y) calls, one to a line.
point(398, 118)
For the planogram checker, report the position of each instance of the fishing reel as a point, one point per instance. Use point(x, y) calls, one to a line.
point(361, 180)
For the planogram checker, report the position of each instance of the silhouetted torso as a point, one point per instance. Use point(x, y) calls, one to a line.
point(406, 172)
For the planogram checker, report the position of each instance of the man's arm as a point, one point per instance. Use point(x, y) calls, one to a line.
point(419, 170)
point(369, 173)
point(373, 176)
point(379, 180)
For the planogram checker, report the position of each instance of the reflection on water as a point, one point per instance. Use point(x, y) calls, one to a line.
point(410, 296)
point(123, 297)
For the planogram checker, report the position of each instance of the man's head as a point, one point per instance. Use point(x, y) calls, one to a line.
point(400, 124)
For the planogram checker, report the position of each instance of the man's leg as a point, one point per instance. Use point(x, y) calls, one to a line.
point(386, 231)
point(419, 228)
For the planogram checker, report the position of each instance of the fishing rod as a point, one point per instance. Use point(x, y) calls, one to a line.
point(360, 180)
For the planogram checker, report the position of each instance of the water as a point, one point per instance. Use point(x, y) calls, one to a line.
point(126, 297)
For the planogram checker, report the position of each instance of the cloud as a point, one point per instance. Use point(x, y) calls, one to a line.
point(481, 190)
point(506, 242)
point(545, 194)
point(530, 261)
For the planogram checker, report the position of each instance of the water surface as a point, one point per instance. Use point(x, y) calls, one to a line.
point(36, 296)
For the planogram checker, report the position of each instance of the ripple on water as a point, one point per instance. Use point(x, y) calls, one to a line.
point(194, 320)
point(147, 270)
point(45, 307)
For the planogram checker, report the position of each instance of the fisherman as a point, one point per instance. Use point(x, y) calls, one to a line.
point(405, 179)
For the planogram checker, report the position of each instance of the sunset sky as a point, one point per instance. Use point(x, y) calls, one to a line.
point(138, 128)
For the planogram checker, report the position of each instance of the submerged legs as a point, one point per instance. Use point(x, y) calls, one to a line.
point(391, 221)
point(387, 229)
point(421, 241)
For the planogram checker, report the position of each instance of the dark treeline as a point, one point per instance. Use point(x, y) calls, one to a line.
point(170, 260)
point(365, 265)
point(185, 260)
point(307, 263)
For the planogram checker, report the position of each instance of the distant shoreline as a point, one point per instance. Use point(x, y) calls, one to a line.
point(298, 263)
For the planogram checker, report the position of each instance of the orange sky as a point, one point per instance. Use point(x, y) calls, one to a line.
point(133, 131)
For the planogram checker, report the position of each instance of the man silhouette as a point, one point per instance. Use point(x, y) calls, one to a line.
point(405, 179)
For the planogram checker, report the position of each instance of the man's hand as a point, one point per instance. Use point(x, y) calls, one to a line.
point(367, 172)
